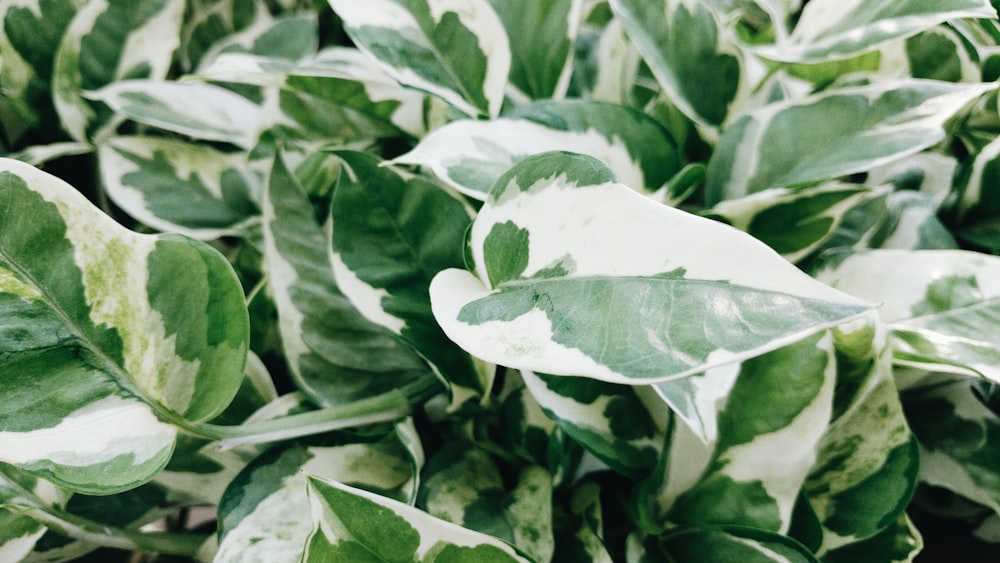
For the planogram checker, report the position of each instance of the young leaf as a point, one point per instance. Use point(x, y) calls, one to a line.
point(540, 69)
point(849, 130)
point(106, 42)
point(828, 29)
point(688, 49)
point(101, 338)
point(180, 187)
point(471, 155)
point(943, 307)
point(605, 303)
point(456, 51)
point(334, 353)
point(264, 514)
point(355, 525)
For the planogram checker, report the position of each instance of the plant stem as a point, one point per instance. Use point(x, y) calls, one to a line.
point(385, 407)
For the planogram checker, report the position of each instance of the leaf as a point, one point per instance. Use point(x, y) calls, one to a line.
point(732, 543)
point(180, 187)
point(958, 436)
point(769, 428)
point(828, 29)
point(899, 543)
point(849, 130)
point(334, 353)
point(540, 69)
point(456, 51)
point(611, 421)
point(210, 26)
point(264, 513)
point(472, 155)
point(792, 222)
point(101, 338)
point(201, 111)
point(604, 303)
point(355, 525)
point(109, 41)
point(941, 306)
point(689, 51)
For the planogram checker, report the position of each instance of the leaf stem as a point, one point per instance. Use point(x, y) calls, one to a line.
point(388, 406)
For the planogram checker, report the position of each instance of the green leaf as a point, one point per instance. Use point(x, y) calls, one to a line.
point(849, 130)
point(732, 543)
point(108, 41)
point(201, 111)
point(899, 543)
point(456, 51)
point(606, 304)
point(828, 29)
point(540, 69)
point(690, 53)
point(334, 353)
point(792, 222)
point(943, 307)
point(264, 514)
point(101, 338)
point(211, 26)
point(180, 187)
point(355, 525)
point(472, 155)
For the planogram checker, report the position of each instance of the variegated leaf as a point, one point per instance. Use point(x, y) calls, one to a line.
point(603, 302)
point(180, 187)
point(101, 339)
point(941, 53)
point(959, 439)
point(209, 26)
point(463, 485)
point(540, 70)
point(727, 544)
point(457, 51)
point(690, 53)
point(850, 130)
point(829, 29)
point(201, 111)
point(471, 155)
point(107, 42)
point(357, 525)
point(384, 261)
point(351, 83)
point(582, 535)
point(607, 64)
point(866, 469)
point(29, 37)
point(899, 543)
point(334, 353)
point(792, 222)
point(769, 427)
point(264, 515)
point(19, 533)
point(613, 422)
point(943, 307)
point(911, 223)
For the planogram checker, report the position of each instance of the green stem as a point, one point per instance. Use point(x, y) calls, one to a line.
point(388, 406)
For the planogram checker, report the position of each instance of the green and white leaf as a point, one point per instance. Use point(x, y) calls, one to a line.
point(828, 29)
point(582, 538)
point(264, 514)
point(606, 304)
point(690, 53)
point(200, 111)
point(730, 543)
point(899, 543)
point(101, 340)
point(212, 26)
point(107, 42)
point(943, 307)
point(958, 436)
point(462, 485)
point(471, 155)
point(607, 64)
point(384, 261)
point(867, 462)
point(850, 130)
point(356, 525)
point(912, 223)
point(176, 186)
point(792, 222)
point(622, 425)
point(457, 51)
point(334, 353)
point(19, 532)
point(540, 70)
point(345, 77)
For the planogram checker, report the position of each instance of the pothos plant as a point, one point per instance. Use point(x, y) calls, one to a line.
point(498, 280)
